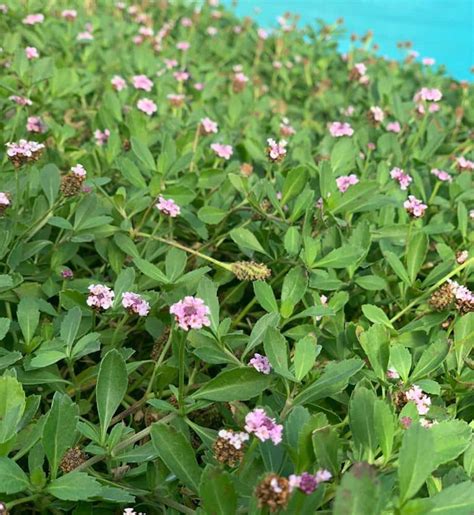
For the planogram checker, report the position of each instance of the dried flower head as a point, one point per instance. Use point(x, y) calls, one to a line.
point(228, 448)
point(273, 492)
point(72, 459)
point(443, 297)
point(24, 152)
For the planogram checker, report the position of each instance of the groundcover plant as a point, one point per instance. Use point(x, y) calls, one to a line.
point(235, 267)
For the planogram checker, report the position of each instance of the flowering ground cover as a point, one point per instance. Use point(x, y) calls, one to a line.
point(236, 268)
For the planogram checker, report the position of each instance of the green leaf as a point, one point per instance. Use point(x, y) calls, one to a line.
point(28, 317)
point(207, 291)
point(112, 383)
point(211, 215)
point(12, 406)
point(292, 241)
point(376, 344)
point(306, 352)
point(59, 430)
point(463, 338)
point(256, 336)
point(416, 460)
point(175, 263)
point(238, 384)
point(75, 486)
point(123, 283)
point(44, 358)
point(276, 349)
point(177, 454)
point(371, 282)
point(131, 173)
point(397, 267)
point(416, 254)
point(385, 426)
point(150, 270)
point(142, 152)
point(294, 183)
point(245, 239)
point(50, 181)
point(376, 315)
point(70, 326)
point(294, 287)
point(451, 438)
point(340, 258)
point(12, 477)
point(343, 156)
point(4, 327)
point(456, 499)
point(217, 492)
point(362, 423)
point(360, 197)
point(400, 360)
point(334, 379)
point(360, 492)
point(265, 296)
point(431, 359)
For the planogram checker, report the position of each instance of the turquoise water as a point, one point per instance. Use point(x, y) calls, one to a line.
point(442, 29)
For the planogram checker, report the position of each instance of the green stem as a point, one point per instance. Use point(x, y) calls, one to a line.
point(22, 500)
point(181, 365)
point(158, 363)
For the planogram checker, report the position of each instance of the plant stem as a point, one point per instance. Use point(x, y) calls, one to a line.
point(181, 385)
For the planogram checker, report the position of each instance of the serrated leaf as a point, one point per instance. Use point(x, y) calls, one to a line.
point(12, 477)
point(75, 486)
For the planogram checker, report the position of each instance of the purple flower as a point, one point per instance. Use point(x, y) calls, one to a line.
point(35, 124)
point(403, 178)
point(422, 401)
point(345, 181)
point(393, 127)
point(260, 363)
point(191, 313)
point(414, 207)
point(67, 273)
point(135, 303)
point(168, 207)
point(339, 129)
point(264, 427)
point(441, 175)
point(100, 296)
point(307, 482)
point(147, 106)
point(224, 151)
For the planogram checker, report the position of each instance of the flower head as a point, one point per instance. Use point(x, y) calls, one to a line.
point(208, 126)
point(31, 52)
point(85, 36)
point(168, 207)
point(21, 101)
point(422, 401)
point(276, 151)
point(263, 427)
point(184, 46)
point(191, 313)
point(428, 61)
point(224, 151)
point(33, 19)
point(101, 137)
point(135, 303)
point(147, 106)
point(79, 171)
point(464, 165)
point(403, 178)
point(441, 175)
point(69, 14)
point(100, 296)
point(345, 181)
point(285, 128)
point(260, 363)
point(118, 82)
point(376, 114)
point(24, 151)
point(142, 82)
point(339, 129)
point(35, 124)
point(414, 206)
point(393, 127)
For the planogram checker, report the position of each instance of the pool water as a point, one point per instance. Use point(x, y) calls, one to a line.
point(441, 29)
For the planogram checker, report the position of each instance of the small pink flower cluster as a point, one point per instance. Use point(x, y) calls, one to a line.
point(35, 124)
point(285, 128)
point(430, 95)
point(181, 76)
point(393, 127)
point(307, 482)
point(276, 150)
point(4, 200)
point(183, 46)
point(392, 373)
point(345, 181)
point(414, 206)
point(236, 439)
point(23, 148)
point(79, 171)
point(147, 106)
point(359, 73)
point(21, 101)
point(224, 151)
point(142, 82)
point(85, 36)
point(101, 137)
point(191, 313)
point(118, 83)
point(168, 207)
point(263, 427)
point(441, 175)
point(176, 99)
point(260, 363)
point(100, 296)
point(464, 165)
point(422, 401)
point(461, 293)
point(339, 129)
point(31, 52)
point(428, 61)
point(348, 111)
point(209, 126)
point(33, 19)
point(403, 178)
point(135, 303)
point(377, 114)
point(69, 14)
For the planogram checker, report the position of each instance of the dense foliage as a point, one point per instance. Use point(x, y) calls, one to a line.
point(235, 268)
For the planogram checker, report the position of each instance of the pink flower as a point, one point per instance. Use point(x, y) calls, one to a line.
point(118, 82)
point(147, 106)
point(191, 313)
point(21, 101)
point(278, 65)
point(377, 114)
point(394, 127)
point(176, 100)
point(414, 54)
point(276, 150)
point(135, 303)
point(79, 171)
point(371, 145)
point(403, 178)
point(4, 200)
point(199, 86)
point(422, 401)
point(428, 94)
point(307, 482)
point(146, 32)
point(209, 126)
point(461, 257)
point(241, 78)
point(264, 427)
point(69, 14)
point(471, 214)
point(170, 63)
point(262, 34)
point(414, 207)
point(100, 296)
point(224, 151)
point(260, 363)
point(31, 52)
point(3, 8)
point(168, 207)
point(35, 124)
point(181, 76)
point(187, 22)
point(392, 374)
point(33, 19)
point(67, 273)
point(285, 128)
point(428, 61)
point(441, 175)
point(406, 422)
point(211, 31)
point(339, 129)
point(142, 82)
point(101, 138)
point(348, 111)
point(85, 36)
point(184, 46)
point(464, 165)
point(236, 439)
point(23, 148)
point(345, 181)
